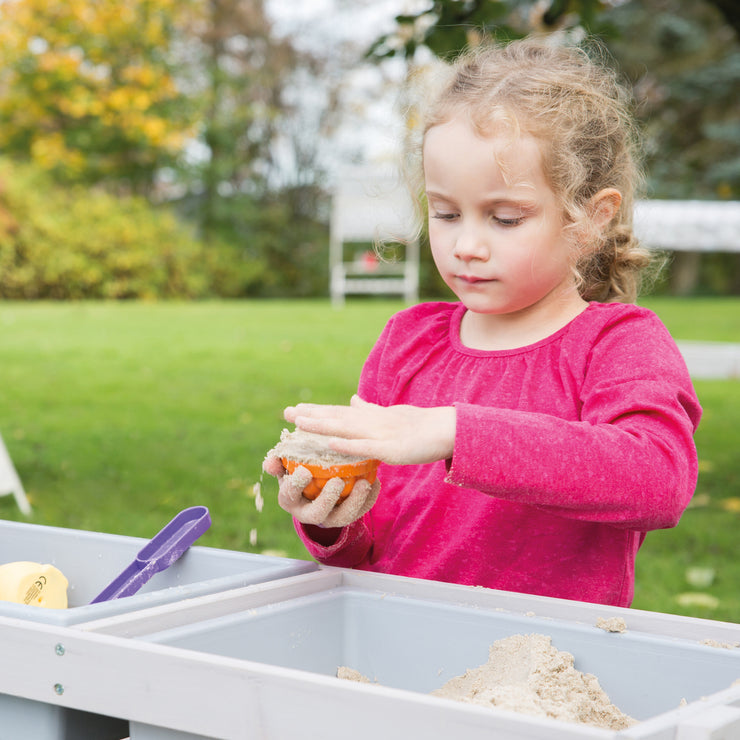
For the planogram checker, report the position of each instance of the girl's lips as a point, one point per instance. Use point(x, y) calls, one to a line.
point(472, 280)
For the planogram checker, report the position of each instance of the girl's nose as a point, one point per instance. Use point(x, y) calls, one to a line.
point(471, 244)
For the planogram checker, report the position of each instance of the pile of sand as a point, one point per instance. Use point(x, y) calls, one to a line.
point(526, 674)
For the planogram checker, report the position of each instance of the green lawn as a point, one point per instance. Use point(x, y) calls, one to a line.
point(118, 415)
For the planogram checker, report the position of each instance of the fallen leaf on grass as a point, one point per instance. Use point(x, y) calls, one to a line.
point(699, 500)
point(700, 577)
point(698, 599)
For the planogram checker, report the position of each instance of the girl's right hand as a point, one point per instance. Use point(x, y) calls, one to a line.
point(326, 510)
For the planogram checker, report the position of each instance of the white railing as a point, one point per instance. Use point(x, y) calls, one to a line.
point(689, 225)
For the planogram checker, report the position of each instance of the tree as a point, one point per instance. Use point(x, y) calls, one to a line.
point(88, 90)
point(683, 60)
point(236, 191)
point(685, 69)
point(448, 26)
point(237, 71)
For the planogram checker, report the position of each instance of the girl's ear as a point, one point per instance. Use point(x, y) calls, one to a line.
point(604, 206)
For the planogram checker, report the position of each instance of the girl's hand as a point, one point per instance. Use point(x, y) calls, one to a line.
point(326, 510)
point(398, 435)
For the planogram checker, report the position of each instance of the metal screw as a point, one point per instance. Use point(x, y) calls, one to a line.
point(58, 689)
point(59, 649)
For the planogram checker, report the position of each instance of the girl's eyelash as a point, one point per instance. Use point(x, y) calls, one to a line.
point(501, 221)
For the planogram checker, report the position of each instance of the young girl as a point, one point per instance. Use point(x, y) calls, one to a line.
point(534, 431)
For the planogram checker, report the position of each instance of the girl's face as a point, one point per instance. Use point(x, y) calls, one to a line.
point(495, 227)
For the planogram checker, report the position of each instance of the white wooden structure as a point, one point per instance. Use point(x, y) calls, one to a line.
point(370, 206)
point(413, 631)
point(711, 360)
point(695, 226)
point(367, 207)
point(689, 225)
point(10, 483)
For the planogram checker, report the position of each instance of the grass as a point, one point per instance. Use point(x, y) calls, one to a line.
point(118, 415)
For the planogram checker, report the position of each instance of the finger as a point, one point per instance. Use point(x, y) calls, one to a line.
point(316, 511)
point(358, 403)
point(346, 423)
point(300, 478)
point(290, 491)
point(351, 508)
point(312, 411)
point(371, 498)
point(368, 449)
point(273, 466)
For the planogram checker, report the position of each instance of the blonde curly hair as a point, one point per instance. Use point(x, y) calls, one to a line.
point(570, 100)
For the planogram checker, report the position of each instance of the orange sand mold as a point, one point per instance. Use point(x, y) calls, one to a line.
point(350, 473)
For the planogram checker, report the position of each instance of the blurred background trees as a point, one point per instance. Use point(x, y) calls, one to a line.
point(171, 138)
point(89, 92)
point(683, 61)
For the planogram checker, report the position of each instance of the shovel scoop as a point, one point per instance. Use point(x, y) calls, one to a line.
point(159, 553)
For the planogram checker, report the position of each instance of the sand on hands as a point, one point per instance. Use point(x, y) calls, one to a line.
point(526, 674)
point(309, 448)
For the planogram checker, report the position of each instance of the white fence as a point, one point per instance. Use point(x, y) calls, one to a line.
point(689, 225)
point(366, 207)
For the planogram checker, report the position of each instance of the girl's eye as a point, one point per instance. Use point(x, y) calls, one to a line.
point(444, 216)
point(509, 221)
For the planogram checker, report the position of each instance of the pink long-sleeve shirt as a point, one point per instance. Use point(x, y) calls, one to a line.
point(567, 452)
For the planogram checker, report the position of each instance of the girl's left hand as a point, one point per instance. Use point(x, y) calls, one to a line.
point(327, 510)
point(398, 435)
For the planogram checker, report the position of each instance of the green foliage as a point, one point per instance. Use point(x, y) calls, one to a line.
point(682, 59)
point(73, 243)
point(684, 65)
point(277, 232)
point(446, 27)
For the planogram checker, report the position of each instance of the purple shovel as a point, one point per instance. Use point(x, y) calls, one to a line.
point(159, 553)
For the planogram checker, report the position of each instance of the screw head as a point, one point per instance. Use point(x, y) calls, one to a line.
point(59, 649)
point(58, 689)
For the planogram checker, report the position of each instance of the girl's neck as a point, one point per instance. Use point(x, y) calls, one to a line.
point(491, 332)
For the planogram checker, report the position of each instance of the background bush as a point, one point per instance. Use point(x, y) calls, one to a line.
point(76, 242)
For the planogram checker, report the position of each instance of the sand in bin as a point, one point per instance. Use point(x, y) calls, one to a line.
point(526, 674)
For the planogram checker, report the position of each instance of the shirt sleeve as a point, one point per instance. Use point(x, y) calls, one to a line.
point(629, 460)
point(350, 548)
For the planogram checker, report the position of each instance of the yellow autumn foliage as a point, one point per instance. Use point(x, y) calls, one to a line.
point(88, 89)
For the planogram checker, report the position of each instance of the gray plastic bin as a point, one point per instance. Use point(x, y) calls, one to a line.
point(417, 643)
point(89, 561)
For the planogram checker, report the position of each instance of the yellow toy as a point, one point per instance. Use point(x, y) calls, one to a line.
point(33, 584)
